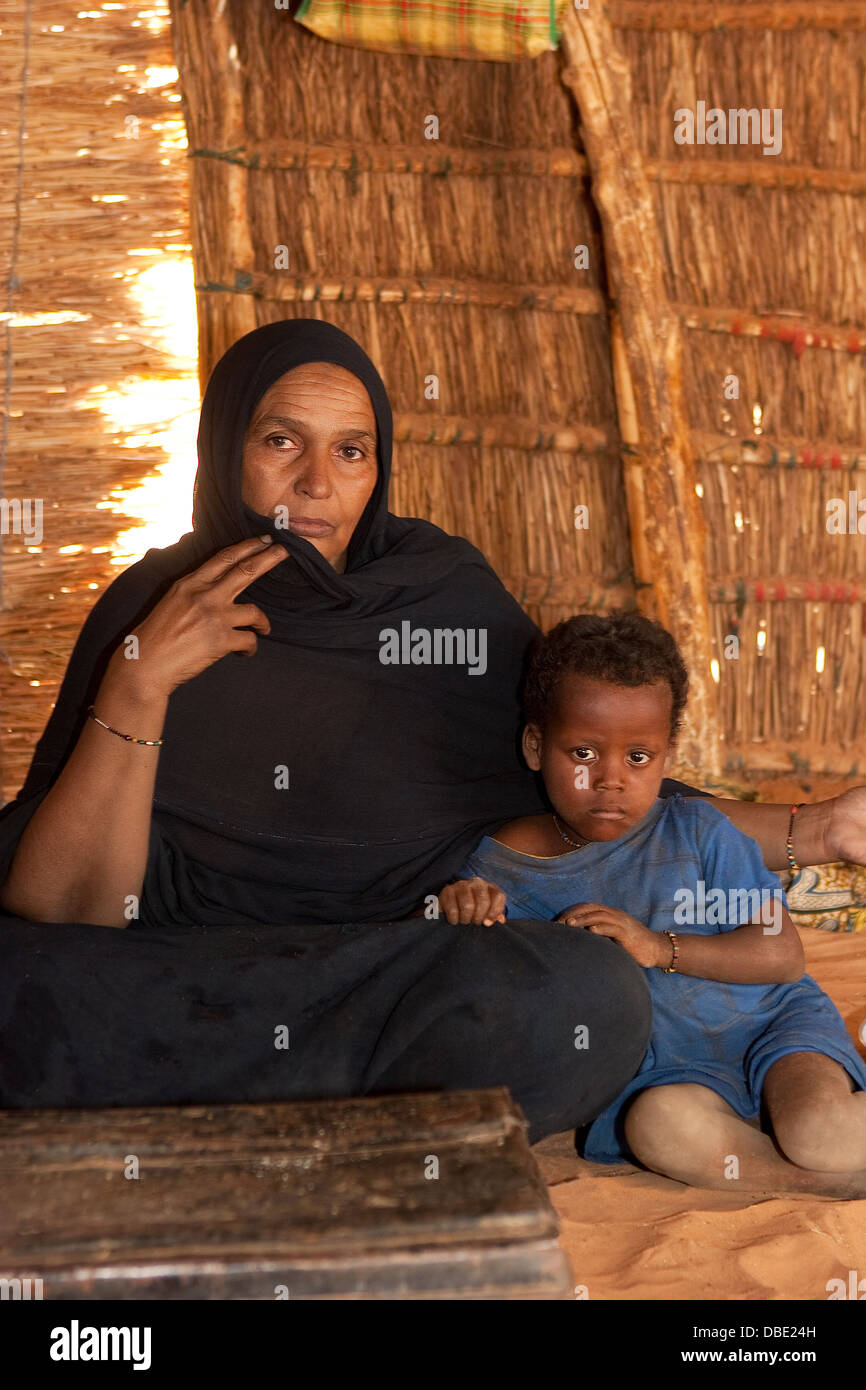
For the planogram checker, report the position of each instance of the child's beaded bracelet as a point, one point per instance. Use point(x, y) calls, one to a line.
point(672, 968)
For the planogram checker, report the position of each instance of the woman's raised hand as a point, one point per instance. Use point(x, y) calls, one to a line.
point(197, 621)
point(472, 901)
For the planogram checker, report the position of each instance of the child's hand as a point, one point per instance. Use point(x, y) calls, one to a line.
point(647, 947)
point(472, 900)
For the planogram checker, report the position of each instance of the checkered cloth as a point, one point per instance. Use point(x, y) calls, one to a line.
point(445, 28)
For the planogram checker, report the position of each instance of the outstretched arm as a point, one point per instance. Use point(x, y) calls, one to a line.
point(822, 834)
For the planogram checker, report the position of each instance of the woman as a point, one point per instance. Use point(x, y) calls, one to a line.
point(277, 820)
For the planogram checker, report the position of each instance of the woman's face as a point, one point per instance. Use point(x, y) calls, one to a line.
point(310, 456)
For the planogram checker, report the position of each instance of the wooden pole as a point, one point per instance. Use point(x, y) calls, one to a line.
point(667, 528)
point(205, 42)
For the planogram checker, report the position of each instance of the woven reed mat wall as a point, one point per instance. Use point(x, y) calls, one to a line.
point(80, 130)
point(765, 257)
point(449, 257)
point(454, 257)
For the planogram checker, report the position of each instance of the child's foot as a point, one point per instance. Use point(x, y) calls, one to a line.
point(689, 1133)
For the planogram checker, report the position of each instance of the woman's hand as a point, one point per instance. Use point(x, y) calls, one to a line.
point(846, 832)
point(647, 947)
point(197, 621)
point(83, 855)
point(472, 901)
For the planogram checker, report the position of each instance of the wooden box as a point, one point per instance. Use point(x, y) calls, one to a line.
point(395, 1197)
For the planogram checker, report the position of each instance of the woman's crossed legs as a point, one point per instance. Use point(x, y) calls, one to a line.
point(818, 1119)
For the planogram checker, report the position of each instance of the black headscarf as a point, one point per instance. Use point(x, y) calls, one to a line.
point(311, 782)
point(387, 554)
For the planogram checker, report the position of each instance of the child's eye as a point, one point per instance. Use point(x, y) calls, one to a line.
point(582, 752)
point(647, 756)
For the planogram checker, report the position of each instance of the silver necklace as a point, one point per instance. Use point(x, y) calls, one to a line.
point(568, 841)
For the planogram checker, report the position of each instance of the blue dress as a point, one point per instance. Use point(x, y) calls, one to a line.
point(724, 1036)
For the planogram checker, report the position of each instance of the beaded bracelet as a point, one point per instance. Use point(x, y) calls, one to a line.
point(147, 742)
point(789, 845)
point(672, 968)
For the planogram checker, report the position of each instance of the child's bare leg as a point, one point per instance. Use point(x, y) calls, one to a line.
point(688, 1132)
point(818, 1118)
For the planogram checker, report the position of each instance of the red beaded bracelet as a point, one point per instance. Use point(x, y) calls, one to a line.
point(789, 845)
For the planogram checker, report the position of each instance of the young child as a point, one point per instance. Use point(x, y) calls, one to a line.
point(738, 1030)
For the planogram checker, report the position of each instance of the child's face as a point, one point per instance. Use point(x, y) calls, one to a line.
point(603, 753)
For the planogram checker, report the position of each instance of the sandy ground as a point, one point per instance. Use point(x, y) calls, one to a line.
point(633, 1235)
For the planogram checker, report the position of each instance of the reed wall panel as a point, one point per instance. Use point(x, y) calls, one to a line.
point(795, 251)
point(746, 247)
point(537, 367)
point(72, 77)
